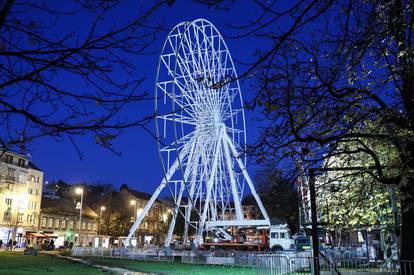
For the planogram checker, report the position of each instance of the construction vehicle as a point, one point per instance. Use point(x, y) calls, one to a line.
point(276, 238)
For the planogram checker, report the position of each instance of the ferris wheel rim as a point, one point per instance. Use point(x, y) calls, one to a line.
point(187, 25)
point(175, 124)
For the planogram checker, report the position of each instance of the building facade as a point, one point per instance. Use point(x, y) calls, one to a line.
point(60, 219)
point(123, 207)
point(20, 197)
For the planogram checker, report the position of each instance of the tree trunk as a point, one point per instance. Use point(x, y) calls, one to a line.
point(407, 218)
point(407, 205)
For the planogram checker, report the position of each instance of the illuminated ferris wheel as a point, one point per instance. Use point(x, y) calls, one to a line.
point(201, 133)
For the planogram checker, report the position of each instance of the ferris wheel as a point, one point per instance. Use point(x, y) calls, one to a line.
point(201, 133)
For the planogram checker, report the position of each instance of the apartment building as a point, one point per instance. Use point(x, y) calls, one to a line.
point(20, 196)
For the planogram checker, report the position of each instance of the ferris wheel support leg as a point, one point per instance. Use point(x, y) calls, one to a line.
point(154, 196)
point(247, 177)
point(208, 191)
point(236, 198)
point(174, 218)
point(189, 207)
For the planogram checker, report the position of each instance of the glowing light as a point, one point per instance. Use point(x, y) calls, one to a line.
point(79, 190)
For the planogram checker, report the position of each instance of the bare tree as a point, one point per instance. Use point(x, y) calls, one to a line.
point(63, 80)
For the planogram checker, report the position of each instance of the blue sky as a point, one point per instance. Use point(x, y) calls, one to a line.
point(139, 165)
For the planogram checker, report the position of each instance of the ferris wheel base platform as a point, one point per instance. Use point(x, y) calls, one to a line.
point(212, 224)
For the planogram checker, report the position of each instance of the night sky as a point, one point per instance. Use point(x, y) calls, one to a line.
point(139, 165)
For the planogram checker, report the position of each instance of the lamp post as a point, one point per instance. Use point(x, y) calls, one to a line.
point(79, 191)
point(103, 208)
point(133, 203)
point(134, 206)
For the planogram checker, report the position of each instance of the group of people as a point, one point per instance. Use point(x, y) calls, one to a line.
point(10, 244)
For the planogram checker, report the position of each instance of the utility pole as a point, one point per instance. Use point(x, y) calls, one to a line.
point(314, 222)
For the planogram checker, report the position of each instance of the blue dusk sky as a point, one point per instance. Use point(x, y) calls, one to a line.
point(139, 165)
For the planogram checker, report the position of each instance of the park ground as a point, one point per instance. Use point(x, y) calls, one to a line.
point(17, 263)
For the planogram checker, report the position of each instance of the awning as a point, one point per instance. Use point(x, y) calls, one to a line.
point(50, 235)
point(35, 235)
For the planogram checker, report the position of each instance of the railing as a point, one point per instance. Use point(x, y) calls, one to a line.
point(265, 263)
point(233, 258)
point(126, 253)
point(279, 264)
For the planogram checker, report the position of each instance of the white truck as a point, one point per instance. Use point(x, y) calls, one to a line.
point(280, 238)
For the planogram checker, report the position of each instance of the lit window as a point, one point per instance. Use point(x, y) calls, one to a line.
point(43, 222)
point(83, 225)
point(63, 224)
point(57, 223)
point(49, 222)
point(71, 224)
point(89, 226)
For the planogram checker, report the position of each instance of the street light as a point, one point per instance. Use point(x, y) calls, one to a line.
point(103, 208)
point(133, 203)
point(79, 191)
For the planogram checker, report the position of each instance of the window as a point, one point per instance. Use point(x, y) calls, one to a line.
point(63, 224)
point(21, 162)
point(83, 225)
point(57, 223)
point(282, 235)
point(38, 179)
point(20, 217)
point(71, 224)
point(8, 159)
point(43, 222)
point(30, 191)
point(49, 222)
point(36, 192)
point(32, 178)
point(10, 186)
point(34, 219)
point(94, 226)
point(274, 235)
point(7, 216)
point(10, 174)
point(9, 201)
point(89, 226)
point(22, 178)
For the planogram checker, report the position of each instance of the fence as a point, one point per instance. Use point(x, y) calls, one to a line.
point(265, 263)
point(123, 252)
point(279, 264)
point(233, 258)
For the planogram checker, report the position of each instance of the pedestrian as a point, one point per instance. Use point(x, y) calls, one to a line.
point(14, 244)
point(1, 243)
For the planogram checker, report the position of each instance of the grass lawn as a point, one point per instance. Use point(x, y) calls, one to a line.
point(17, 263)
point(174, 268)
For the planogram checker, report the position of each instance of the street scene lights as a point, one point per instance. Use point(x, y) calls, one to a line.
point(79, 191)
point(133, 203)
point(103, 208)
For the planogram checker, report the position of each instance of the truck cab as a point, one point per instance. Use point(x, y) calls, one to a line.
point(280, 238)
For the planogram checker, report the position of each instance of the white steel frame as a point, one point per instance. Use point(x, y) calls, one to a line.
point(201, 127)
